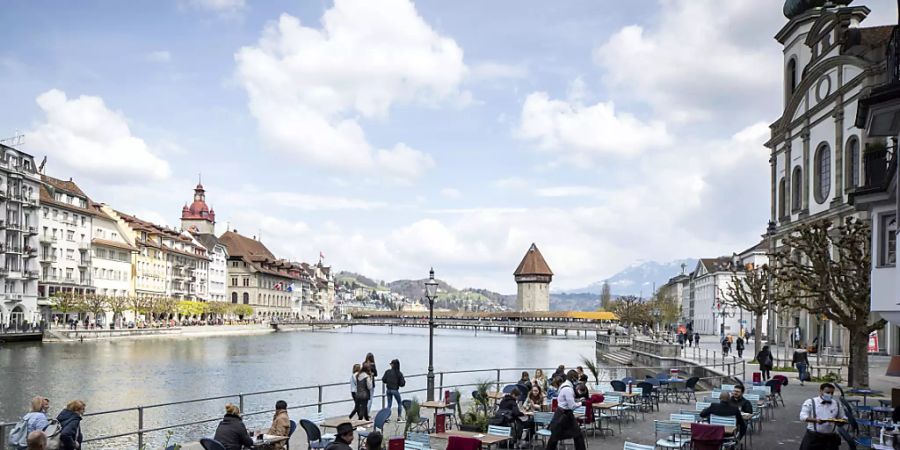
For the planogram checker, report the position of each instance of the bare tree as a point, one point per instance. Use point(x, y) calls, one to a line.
point(825, 269)
point(605, 297)
point(747, 291)
point(65, 302)
point(631, 310)
point(94, 304)
point(138, 305)
point(118, 306)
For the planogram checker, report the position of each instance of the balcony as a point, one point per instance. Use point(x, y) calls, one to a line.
point(30, 203)
point(31, 274)
point(13, 249)
point(16, 197)
point(48, 259)
point(85, 261)
point(30, 252)
point(84, 246)
point(4, 271)
point(47, 239)
point(31, 230)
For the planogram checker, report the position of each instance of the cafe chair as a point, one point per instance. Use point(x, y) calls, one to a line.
point(689, 390)
point(417, 441)
point(211, 444)
point(450, 416)
point(463, 443)
point(381, 418)
point(313, 435)
point(287, 444)
point(668, 434)
point(633, 446)
point(423, 424)
point(618, 386)
point(649, 396)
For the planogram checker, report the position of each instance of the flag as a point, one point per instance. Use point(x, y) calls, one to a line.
point(321, 255)
point(290, 287)
point(277, 286)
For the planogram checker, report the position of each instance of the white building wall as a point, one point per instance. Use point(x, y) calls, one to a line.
point(20, 187)
point(218, 274)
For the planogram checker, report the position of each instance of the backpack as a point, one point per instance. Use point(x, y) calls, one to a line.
point(362, 389)
point(18, 437)
point(502, 417)
point(53, 430)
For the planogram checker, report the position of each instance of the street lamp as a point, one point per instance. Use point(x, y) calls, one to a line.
point(430, 294)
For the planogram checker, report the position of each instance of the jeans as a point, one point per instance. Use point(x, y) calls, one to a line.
point(801, 368)
point(391, 395)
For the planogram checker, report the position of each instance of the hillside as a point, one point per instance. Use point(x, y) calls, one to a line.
point(351, 277)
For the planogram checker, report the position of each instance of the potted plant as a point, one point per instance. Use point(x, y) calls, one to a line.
point(412, 415)
point(592, 368)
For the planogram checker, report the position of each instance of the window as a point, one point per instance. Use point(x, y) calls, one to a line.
point(46, 212)
point(888, 239)
point(70, 254)
point(851, 180)
point(246, 298)
point(823, 172)
point(234, 297)
point(790, 78)
point(782, 201)
point(70, 236)
point(797, 189)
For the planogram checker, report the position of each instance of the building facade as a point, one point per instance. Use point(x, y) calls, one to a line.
point(816, 149)
point(257, 278)
point(675, 289)
point(199, 220)
point(20, 198)
point(708, 287)
point(533, 277)
point(111, 257)
point(149, 262)
point(66, 232)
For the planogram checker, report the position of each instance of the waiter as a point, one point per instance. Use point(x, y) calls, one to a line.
point(816, 412)
point(563, 425)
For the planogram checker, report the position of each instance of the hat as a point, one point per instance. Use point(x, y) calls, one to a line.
point(344, 428)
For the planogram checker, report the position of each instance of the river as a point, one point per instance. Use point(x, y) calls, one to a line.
point(125, 373)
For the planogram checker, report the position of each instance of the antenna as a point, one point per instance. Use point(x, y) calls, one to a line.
point(199, 177)
point(15, 141)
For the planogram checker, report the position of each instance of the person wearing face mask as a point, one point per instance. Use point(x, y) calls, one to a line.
point(819, 413)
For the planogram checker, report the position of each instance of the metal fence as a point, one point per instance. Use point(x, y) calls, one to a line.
point(133, 427)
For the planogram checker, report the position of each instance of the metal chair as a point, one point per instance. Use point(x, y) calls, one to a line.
point(313, 435)
point(702, 405)
point(633, 446)
point(618, 386)
point(381, 418)
point(418, 441)
point(319, 418)
point(649, 395)
point(422, 425)
point(689, 390)
point(287, 444)
point(211, 444)
point(670, 432)
point(495, 430)
point(541, 420)
point(615, 416)
point(683, 417)
point(450, 416)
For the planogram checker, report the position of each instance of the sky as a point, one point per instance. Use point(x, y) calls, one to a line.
point(394, 136)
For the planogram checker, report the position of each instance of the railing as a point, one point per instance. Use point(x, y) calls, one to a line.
point(316, 398)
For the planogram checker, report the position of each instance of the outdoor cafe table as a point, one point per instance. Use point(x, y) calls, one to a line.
point(865, 393)
point(485, 439)
point(335, 421)
point(599, 417)
point(670, 386)
point(436, 406)
point(267, 440)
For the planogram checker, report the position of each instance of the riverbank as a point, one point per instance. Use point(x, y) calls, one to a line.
point(63, 335)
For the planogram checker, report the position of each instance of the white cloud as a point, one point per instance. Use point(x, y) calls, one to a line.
point(82, 137)
point(451, 193)
point(224, 7)
point(699, 58)
point(567, 191)
point(310, 88)
point(159, 56)
point(247, 196)
point(581, 134)
point(492, 70)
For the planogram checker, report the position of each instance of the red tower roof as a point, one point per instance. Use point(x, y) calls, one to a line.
point(533, 264)
point(198, 209)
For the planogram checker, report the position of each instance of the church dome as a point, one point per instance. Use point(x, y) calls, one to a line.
point(794, 8)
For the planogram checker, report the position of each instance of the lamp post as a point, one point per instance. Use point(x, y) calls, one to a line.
point(430, 294)
point(770, 332)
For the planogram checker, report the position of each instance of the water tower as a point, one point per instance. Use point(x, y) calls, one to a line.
point(533, 277)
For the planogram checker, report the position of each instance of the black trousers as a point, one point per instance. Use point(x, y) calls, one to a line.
point(353, 411)
point(820, 441)
point(565, 428)
point(766, 373)
point(362, 408)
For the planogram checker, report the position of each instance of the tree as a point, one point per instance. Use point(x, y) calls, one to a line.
point(667, 307)
point(605, 297)
point(118, 306)
point(631, 310)
point(65, 302)
point(188, 308)
point(94, 304)
point(825, 269)
point(166, 306)
point(138, 305)
point(242, 311)
point(218, 309)
point(748, 291)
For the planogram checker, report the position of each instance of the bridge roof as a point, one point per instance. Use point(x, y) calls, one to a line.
point(580, 315)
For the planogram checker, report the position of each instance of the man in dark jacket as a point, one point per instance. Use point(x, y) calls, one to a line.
point(726, 409)
point(343, 439)
point(508, 412)
point(393, 380)
point(738, 401)
point(70, 420)
point(231, 432)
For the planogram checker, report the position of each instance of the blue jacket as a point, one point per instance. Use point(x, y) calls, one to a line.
point(37, 421)
point(70, 422)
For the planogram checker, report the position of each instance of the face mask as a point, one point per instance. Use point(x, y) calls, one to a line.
point(827, 397)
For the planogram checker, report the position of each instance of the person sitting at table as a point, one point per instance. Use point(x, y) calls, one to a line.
point(560, 372)
point(738, 401)
point(534, 401)
point(539, 379)
point(231, 432)
point(524, 381)
point(725, 409)
point(582, 377)
point(281, 424)
point(343, 438)
point(508, 413)
point(374, 440)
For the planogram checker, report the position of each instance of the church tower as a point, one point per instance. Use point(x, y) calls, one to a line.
point(533, 277)
point(199, 218)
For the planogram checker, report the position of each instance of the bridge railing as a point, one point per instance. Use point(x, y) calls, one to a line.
point(187, 420)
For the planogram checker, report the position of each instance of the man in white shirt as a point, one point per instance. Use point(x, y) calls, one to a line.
point(819, 413)
point(563, 425)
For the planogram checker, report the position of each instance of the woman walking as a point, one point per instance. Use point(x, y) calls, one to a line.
point(373, 372)
point(70, 421)
point(356, 368)
point(364, 386)
point(801, 362)
point(766, 362)
point(393, 380)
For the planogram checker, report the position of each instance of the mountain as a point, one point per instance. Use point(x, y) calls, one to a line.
point(574, 301)
point(640, 278)
point(350, 278)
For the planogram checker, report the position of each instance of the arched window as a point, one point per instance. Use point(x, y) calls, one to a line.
point(782, 201)
point(234, 297)
point(246, 298)
point(822, 172)
point(790, 78)
point(851, 180)
point(797, 189)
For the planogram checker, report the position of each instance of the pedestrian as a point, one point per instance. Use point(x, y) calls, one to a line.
point(37, 440)
point(801, 362)
point(343, 438)
point(393, 380)
point(819, 414)
point(374, 440)
point(373, 372)
point(724, 345)
point(739, 346)
point(231, 432)
point(766, 362)
point(563, 425)
point(281, 424)
point(356, 369)
point(696, 339)
point(689, 338)
point(37, 417)
point(364, 386)
point(681, 340)
point(69, 419)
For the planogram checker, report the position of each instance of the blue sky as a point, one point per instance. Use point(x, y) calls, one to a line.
point(394, 136)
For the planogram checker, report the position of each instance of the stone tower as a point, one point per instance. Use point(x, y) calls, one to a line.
point(199, 218)
point(533, 277)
